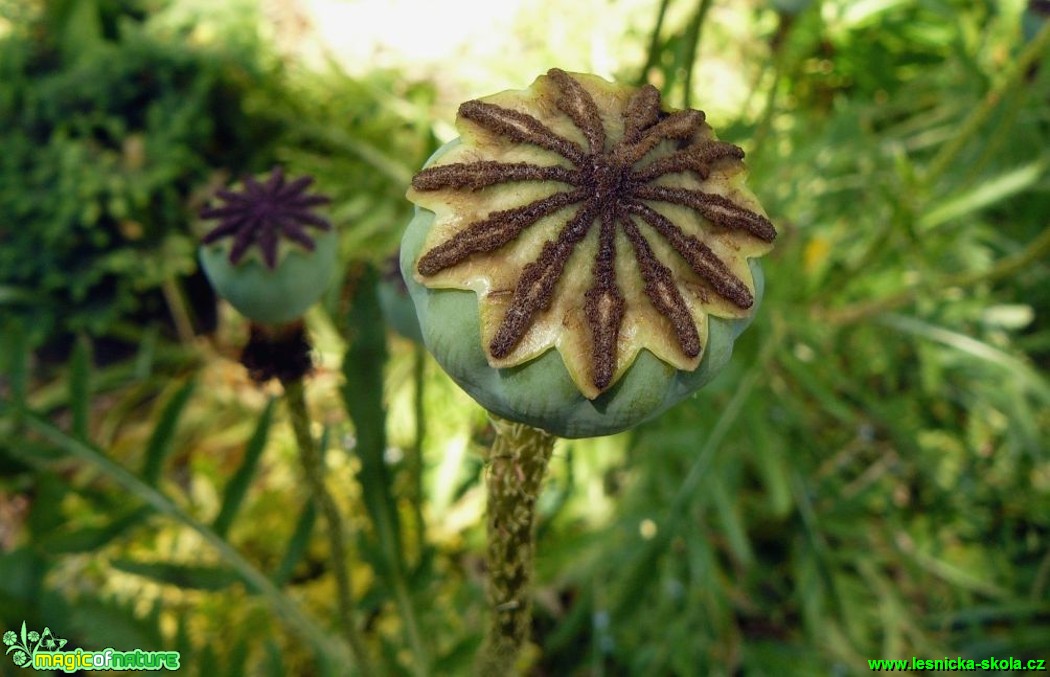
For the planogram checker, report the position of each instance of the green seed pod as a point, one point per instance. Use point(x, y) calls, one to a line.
point(272, 295)
point(580, 259)
point(261, 258)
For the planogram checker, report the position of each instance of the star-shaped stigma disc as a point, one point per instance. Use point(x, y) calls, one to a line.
point(589, 219)
point(264, 213)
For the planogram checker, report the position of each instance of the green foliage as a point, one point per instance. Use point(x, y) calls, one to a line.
point(363, 139)
point(163, 435)
point(363, 395)
point(869, 478)
point(240, 482)
point(105, 142)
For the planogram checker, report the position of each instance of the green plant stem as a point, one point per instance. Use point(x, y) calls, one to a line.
point(517, 465)
point(653, 55)
point(692, 45)
point(1036, 49)
point(415, 465)
point(180, 314)
point(785, 31)
point(403, 599)
point(765, 123)
point(313, 466)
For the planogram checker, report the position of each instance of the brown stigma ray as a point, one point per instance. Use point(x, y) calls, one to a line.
point(476, 175)
point(679, 125)
point(661, 289)
point(641, 113)
point(520, 127)
point(535, 287)
point(581, 108)
point(615, 180)
point(493, 232)
point(695, 159)
point(605, 305)
point(699, 256)
point(715, 208)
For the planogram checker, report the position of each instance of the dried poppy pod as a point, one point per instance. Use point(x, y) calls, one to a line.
point(270, 255)
point(581, 258)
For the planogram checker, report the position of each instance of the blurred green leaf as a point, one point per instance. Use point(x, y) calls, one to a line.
point(88, 539)
point(297, 544)
point(1013, 367)
point(237, 661)
point(80, 387)
point(987, 193)
point(1009, 316)
point(17, 363)
point(363, 398)
point(162, 439)
point(104, 622)
point(237, 487)
point(10, 294)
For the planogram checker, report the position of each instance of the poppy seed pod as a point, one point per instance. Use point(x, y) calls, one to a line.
point(270, 256)
point(581, 259)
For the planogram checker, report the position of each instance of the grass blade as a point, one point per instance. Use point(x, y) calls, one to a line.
point(989, 192)
point(297, 545)
point(237, 487)
point(18, 367)
point(185, 576)
point(161, 441)
point(363, 398)
point(147, 353)
point(971, 346)
point(92, 538)
point(80, 387)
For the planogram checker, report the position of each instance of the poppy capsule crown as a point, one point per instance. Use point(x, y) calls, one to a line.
point(271, 255)
point(600, 236)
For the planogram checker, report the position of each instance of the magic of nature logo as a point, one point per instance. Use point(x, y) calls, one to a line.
point(44, 651)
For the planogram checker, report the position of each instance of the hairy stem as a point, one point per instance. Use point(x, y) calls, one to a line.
point(517, 465)
point(313, 466)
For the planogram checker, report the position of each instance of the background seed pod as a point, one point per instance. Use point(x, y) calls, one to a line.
point(272, 296)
